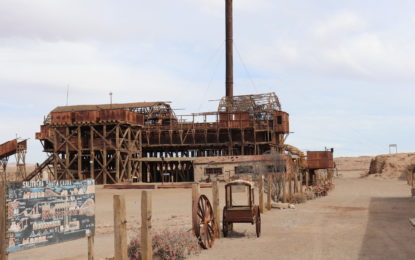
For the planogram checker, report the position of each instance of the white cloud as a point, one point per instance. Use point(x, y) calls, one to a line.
point(339, 24)
point(341, 45)
point(90, 74)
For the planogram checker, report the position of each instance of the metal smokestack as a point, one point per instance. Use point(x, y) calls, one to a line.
point(229, 52)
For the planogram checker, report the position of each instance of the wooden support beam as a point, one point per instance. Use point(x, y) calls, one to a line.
point(67, 155)
point(55, 154)
point(269, 191)
point(195, 192)
point(216, 208)
point(284, 188)
point(261, 193)
point(117, 154)
point(104, 157)
point(129, 155)
point(120, 228)
point(79, 158)
point(92, 154)
point(290, 186)
point(301, 183)
point(146, 214)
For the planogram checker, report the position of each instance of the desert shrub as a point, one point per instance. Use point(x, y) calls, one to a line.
point(134, 249)
point(167, 245)
point(309, 195)
point(299, 198)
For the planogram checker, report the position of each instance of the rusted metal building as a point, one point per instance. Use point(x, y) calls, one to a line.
point(320, 164)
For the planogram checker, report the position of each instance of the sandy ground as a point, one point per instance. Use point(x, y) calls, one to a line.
point(363, 218)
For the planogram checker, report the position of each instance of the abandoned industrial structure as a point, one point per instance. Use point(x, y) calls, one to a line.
point(112, 143)
point(148, 142)
point(116, 142)
point(18, 148)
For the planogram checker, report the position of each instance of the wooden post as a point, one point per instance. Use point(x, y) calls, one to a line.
point(146, 240)
point(120, 228)
point(91, 254)
point(284, 188)
point(301, 182)
point(290, 186)
point(3, 230)
point(195, 192)
point(216, 209)
point(296, 186)
point(261, 194)
point(307, 178)
point(269, 191)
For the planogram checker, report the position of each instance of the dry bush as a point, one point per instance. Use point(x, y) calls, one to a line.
point(309, 194)
point(298, 198)
point(167, 245)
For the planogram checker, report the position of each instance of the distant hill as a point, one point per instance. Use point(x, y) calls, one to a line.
point(359, 163)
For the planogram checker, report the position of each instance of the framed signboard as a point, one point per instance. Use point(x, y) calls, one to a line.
point(41, 213)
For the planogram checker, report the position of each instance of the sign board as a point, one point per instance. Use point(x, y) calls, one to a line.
point(41, 213)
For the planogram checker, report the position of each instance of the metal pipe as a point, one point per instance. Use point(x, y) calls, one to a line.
point(229, 50)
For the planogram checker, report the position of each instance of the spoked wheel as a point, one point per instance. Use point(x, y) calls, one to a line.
point(258, 224)
point(203, 222)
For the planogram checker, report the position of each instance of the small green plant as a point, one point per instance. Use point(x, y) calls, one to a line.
point(169, 245)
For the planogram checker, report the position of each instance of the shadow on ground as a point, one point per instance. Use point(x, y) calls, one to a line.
point(389, 234)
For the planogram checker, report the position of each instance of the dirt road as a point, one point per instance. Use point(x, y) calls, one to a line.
point(361, 219)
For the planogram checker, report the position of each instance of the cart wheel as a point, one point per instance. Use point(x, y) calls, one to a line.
point(258, 224)
point(225, 225)
point(203, 222)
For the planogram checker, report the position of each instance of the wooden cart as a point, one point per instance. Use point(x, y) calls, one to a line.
point(235, 212)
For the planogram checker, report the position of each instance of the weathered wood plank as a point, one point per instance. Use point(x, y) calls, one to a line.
point(120, 228)
point(146, 213)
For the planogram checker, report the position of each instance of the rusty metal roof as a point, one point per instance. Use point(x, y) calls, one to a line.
point(107, 106)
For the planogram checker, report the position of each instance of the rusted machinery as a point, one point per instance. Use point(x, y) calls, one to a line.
point(321, 167)
point(238, 211)
point(17, 148)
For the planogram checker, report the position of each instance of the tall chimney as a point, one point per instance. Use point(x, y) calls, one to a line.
point(229, 51)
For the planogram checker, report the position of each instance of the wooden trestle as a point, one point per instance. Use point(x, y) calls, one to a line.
point(108, 153)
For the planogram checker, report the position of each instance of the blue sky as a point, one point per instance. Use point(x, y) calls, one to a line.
point(344, 70)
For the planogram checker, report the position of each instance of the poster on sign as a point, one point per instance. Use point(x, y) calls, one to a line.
point(41, 213)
